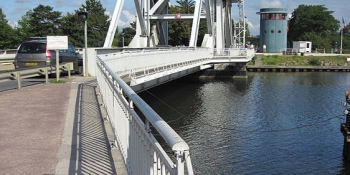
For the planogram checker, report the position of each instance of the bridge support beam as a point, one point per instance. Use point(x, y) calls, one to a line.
point(231, 70)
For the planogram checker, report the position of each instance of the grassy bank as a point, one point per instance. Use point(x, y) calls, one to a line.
point(295, 60)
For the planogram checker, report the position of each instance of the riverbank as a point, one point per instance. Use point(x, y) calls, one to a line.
point(297, 60)
point(297, 63)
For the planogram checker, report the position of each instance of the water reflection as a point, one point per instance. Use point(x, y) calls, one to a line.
point(270, 123)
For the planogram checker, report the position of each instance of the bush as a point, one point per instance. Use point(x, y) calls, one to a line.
point(314, 62)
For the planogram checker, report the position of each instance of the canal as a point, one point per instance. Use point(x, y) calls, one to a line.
point(269, 123)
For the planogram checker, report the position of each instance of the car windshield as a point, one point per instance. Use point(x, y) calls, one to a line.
point(32, 48)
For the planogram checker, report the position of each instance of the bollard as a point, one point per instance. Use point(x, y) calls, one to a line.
point(68, 65)
point(19, 80)
point(46, 75)
point(345, 128)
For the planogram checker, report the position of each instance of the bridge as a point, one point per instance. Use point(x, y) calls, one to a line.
point(122, 72)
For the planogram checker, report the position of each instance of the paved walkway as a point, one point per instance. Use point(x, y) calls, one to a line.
point(56, 129)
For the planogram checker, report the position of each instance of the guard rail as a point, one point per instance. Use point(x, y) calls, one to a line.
point(19, 74)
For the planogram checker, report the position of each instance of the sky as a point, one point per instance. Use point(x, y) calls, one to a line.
point(15, 9)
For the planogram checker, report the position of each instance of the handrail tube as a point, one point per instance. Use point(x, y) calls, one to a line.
point(137, 161)
point(169, 135)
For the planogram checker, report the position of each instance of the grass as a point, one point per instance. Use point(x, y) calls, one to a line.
point(58, 81)
point(295, 60)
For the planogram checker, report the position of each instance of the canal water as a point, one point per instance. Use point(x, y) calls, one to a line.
point(269, 123)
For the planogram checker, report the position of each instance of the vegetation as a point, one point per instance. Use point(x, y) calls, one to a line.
point(6, 32)
point(58, 81)
point(295, 60)
point(308, 22)
point(317, 24)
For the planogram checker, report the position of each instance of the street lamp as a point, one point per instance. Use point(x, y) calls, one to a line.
point(123, 39)
point(83, 16)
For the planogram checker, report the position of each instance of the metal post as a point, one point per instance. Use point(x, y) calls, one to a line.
point(341, 41)
point(19, 80)
point(180, 163)
point(46, 75)
point(57, 65)
point(68, 65)
point(85, 54)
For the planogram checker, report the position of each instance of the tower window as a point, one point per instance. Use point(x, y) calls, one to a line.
point(272, 31)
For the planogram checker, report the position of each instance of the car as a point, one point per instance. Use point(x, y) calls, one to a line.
point(33, 52)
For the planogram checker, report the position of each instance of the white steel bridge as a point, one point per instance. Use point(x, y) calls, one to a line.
point(146, 68)
point(121, 72)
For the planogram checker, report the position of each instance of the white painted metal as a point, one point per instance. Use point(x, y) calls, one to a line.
point(141, 29)
point(240, 30)
point(217, 13)
point(113, 25)
point(195, 24)
point(8, 54)
point(141, 152)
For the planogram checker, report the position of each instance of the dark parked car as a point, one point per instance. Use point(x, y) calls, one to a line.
point(33, 52)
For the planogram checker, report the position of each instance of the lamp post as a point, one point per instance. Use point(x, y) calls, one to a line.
point(341, 41)
point(82, 16)
point(123, 39)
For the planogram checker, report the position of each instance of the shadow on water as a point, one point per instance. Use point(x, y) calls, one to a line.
point(90, 148)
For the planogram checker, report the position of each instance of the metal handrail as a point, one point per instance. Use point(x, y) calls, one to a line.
point(124, 100)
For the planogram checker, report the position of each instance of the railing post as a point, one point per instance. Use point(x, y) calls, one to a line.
point(68, 65)
point(46, 76)
point(19, 80)
point(180, 163)
point(188, 163)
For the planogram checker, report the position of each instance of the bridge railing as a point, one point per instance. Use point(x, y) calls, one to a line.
point(234, 53)
point(141, 152)
point(143, 60)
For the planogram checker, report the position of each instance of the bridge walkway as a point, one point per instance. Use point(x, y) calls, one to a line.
point(56, 129)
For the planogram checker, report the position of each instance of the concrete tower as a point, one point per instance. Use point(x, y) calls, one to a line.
point(273, 29)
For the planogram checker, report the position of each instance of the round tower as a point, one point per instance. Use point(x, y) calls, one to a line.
point(273, 29)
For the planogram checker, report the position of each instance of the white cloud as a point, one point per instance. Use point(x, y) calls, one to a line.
point(130, 17)
point(125, 19)
point(270, 4)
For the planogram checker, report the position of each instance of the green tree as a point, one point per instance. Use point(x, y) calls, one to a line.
point(128, 33)
point(43, 21)
point(73, 28)
point(177, 30)
point(6, 32)
point(23, 29)
point(187, 7)
point(97, 23)
point(310, 21)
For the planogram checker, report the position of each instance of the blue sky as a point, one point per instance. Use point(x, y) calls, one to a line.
point(15, 9)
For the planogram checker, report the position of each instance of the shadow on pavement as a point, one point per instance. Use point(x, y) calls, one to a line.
point(90, 147)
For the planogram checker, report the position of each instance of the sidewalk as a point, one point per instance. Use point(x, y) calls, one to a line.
point(56, 129)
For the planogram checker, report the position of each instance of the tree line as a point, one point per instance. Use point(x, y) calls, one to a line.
point(308, 23)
